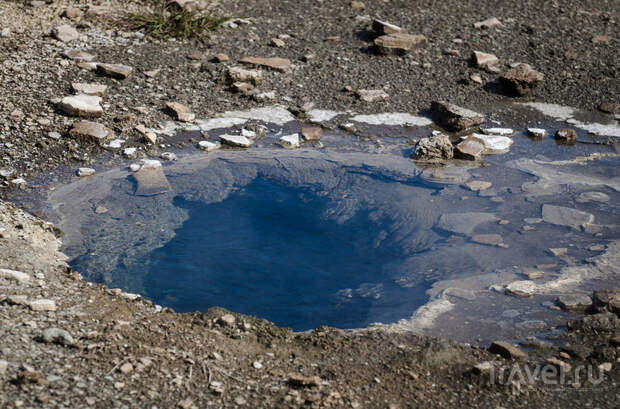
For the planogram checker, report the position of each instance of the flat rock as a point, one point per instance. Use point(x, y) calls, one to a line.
point(521, 80)
point(592, 197)
point(433, 148)
point(565, 216)
point(609, 107)
point(558, 251)
point(118, 71)
point(278, 64)
point(86, 106)
point(574, 302)
point(289, 141)
point(83, 172)
point(208, 146)
point(302, 381)
point(382, 27)
point(13, 275)
point(238, 141)
point(608, 299)
point(312, 133)
point(454, 118)
point(372, 95)
point(524, 288)
point(89, 89)
point(181, 112)
point(42, 305)
point(57, 336)
point(240, 74)
point(65, 33)
point(471, 148)
point(445, 176)
point(151, 180)
point(477, 185)
point(464, 223)
point(398, 43)
point(494, 144)
point(507, 350)
point(79, 55)
point(498, 131)
point(483, 60)
point(93, 131)
point(489, 239)
point(488, 23)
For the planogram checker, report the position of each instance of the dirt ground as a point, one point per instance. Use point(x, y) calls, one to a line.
point(124, 352)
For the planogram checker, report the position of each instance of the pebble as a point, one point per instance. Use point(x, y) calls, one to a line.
point(483, 60)
point(57, 336)
point(561, 251)
point(126, 368)
point(507, 350)
point(312, 133)
point(169, 156)
point(257, 365)
point(383, 27)
point(86, 106)
point(89, 89)
point(227, 320)
point(525, 288)
point(398, 43)
point(83, 172)
point(477, 185)
point(566, 134)
point(79, 55)
point(537, 132)
point(240, 74)
point(289, 141)
point(278, 64)
point(221, 58)
point(130, 153)
point(488, 23)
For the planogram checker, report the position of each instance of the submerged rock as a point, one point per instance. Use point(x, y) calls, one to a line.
point(454, 118)
point(574, 302)
point(464, 223)
point(437, 147)
point(151, 180)
point(565, 216)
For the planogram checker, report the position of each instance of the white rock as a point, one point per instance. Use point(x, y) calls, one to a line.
point(14, 275)
point(42, 305)
point(289, 141)
point(129, 152)
point(208, 146)
point(488, 23)
point(248, 134)
point(494, 144)
point(321, 115)
point(537, 132)
point(395, 118)
point(236, 140)
point(525, 288)
point(168, 156)
point(498, 131)
point(257, 365)
point(57, 336)
point(65, 33)
point(88, 106)
point(82, 172)
point(134, 167)
point(3, 366)
point(114, 144)
point(89, 89)
point(18, 181)
point(150, 164)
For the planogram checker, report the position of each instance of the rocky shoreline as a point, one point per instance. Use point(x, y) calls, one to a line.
point(71, 343)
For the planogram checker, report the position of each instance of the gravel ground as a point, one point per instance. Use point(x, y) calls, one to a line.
point(127, 354)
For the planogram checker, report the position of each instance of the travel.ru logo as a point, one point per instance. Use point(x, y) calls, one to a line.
point(557, 373)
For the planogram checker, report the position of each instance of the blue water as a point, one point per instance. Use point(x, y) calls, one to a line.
point(267, 250)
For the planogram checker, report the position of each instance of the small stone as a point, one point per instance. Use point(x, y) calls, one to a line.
point(86, 106)
point(483, 367)
point(242, 87)
point(17, 300)
point(42, 305)
point(88, 66)
point(566, 134)
point(78, 55)
point(126, 368)
point(372, 95)
point(506, 350)
point(130, 153)
point(312, 133)
point(532, 275)
point(73, 13)
point(592, 197)
point(236, 140)
point(357, 5)
point(181, 112)
point(504, 222)
point(602, 39)
point(436, 147)
point(521, 80)
point(398, 43)
point(101, 209)
point(195, 56)
point(574, 302)
point(3, 366)
point(383, 27)
point(276, 42)
point(257, 365)
point(538, 133)
point(454, 118)
point(89, 89)
point(609, 108)
point(477, 185)
point(117, 71)
point(239, 400)
point(558, 252)
point(152, 73)
point(278, 64)
point(83, 172)
point(208, 146)
point(525, 288)
point(65, 33)
point(227, 320)
point(308, 57)
point(498, 131)
point(488, 239)
point(605, 367)
point(186, 403)
point(301, 381)
point(239, 74)
point(289, 141)
point(477, 78)
point(488, 23)
point(483, 60)
point(565, 216)
point(17, 276)
point(134, 167)
point(91, 131)
point(217, 387)
point(563, 366)
point(169, 156)
point(57, 336)
point(470, 149)
point(221, 58)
